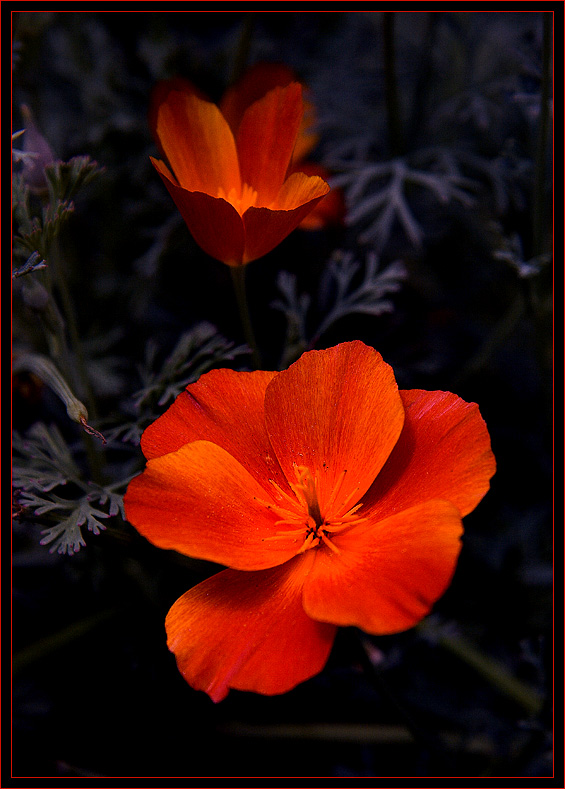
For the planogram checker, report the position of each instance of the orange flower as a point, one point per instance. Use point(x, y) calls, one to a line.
point(254, 84)
point(334, 498)
point(231, 187)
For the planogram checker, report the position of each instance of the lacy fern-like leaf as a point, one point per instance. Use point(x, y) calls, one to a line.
point(66, 535)
point(369, 297)
point(377, 194)
point(196, 351)
point(44, 470)
point(295, 307)
point(48, 460)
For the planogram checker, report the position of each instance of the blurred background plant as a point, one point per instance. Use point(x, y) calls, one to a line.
point(437, 127)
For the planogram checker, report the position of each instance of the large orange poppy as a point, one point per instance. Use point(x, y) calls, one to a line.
point(232, 186)
point(333, 498)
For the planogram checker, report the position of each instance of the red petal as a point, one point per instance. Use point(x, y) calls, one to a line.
point(388, 573)
point(265, 140)
point(198, 143)
point(255, 83)
point(308, 137)
point(333, 411)
point(247, 631)
point(331, 209)
point(214, 223)
point(443, 453)
point(159, 95)
point(201, 502)
point(226, 408)
point(299, 189)
point(265, 228)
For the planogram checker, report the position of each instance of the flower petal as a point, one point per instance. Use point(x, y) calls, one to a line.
point(443, 453)
point(331, 209)
point(265, 140)
point(298, 190)
point(258, 80)
point(255, 83)
point(247, 631)
point(227, 408)
point(213, 222)
point(160, 93)
point(388, 573)
point(198, 144)
point(308, 137)
point(201, 502)
point(266, 228)
point(333, 411)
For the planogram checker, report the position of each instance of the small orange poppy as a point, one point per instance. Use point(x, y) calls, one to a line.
point(254, 84)
point(333, 498)
point(231, 188)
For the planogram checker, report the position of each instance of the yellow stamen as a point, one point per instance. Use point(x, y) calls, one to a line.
point(241, 201)
point(313, 523)
point(308, 485)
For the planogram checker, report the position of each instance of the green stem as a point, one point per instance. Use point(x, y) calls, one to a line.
point(238, 279)
point(43, 648)
point(391, 93)
point(79, 374)
point(490, 669)
point(501, 332)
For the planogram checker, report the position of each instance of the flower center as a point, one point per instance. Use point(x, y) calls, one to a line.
point(241, 201)
point(312, 522)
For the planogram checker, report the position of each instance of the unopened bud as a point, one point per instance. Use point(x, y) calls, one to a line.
point(50, 375)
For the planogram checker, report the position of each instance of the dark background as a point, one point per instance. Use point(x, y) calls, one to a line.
point(95, 691)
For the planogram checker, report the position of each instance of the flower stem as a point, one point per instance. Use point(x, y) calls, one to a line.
point(45, 647)
point(81, 373)
point(487, 667)
point(238, 279)
point(73, 364)
point(499, 335)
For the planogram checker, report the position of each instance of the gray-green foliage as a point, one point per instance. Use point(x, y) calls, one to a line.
point(38, 223)
point(50, 484)
point(341, 293)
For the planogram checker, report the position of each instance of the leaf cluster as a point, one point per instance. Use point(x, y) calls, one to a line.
point(196, 351)
point(347, 287)
point(50, 486)
point(38, 222)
